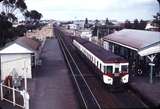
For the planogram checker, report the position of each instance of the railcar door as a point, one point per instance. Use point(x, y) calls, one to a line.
point(116, 79)
point(116, 71)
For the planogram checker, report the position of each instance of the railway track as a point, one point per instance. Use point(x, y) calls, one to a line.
point(106, 99)
point(87, 96)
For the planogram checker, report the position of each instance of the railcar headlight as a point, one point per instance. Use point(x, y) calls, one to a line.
point(107, 79)
point(125, 78)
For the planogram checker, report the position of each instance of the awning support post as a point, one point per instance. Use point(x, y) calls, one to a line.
point(151, 64)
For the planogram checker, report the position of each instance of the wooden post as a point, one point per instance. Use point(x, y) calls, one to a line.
point(26, 98)
point(1, 91)
point(14, 98)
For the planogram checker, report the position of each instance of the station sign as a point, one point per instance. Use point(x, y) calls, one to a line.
point(151, 64)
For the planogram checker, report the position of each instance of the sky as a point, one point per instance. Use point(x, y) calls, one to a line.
point(94, 9)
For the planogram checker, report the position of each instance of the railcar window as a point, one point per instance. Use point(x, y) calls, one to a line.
point(108, 69)
point(124, 68)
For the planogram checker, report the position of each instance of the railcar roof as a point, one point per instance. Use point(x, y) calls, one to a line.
point(101, 53)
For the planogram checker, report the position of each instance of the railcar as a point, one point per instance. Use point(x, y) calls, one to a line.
point(111, 68)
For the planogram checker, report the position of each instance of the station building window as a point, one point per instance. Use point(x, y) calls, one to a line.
point(122, 51)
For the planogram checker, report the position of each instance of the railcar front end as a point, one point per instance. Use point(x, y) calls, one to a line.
point(116, 74)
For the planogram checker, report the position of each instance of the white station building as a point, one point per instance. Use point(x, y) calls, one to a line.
point(19, 56)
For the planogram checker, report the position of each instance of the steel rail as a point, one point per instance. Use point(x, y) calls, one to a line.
point(82, 76)
point(69, 65)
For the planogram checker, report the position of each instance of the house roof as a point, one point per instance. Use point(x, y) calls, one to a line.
point(28, 43)
point(135, 39)
point(21, 45)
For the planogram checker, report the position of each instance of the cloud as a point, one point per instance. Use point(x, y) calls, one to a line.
point(93, 8)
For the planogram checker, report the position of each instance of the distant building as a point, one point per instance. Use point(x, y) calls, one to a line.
point(72, 26)
point(86, 33)
point(19, 56)
point(103, 30)
point(79, 23)
point(136, 46)
point(151, 27)
point(41, 33)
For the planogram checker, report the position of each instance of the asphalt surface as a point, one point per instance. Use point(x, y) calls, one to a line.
point(149, 92)
point(51, 87)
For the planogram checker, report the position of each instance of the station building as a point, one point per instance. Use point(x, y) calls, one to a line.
point(19, 56)
point(141, 48)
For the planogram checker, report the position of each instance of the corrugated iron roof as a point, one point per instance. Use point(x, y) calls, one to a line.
point(137, 39)
point(31, 44)
point(28, 43)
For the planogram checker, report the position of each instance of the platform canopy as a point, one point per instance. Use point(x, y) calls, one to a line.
point(144, 42)
point(153, 49)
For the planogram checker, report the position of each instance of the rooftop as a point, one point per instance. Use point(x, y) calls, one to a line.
point(21, 45)
point(29, 43)
point(137, 39)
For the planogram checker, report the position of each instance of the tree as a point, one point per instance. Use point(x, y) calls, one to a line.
point(26, 15)
point(142, 24)
point(20, 30)
point(11, 17)
point(97, 22)
point(127, 24)
point(5, 27)
point(9, 7)
point(86, 25)
point(21, 5)
point(136, 24)
point(156, 20)
point(158, 2)
point(35, 16)
point(107, 22)
point(86, 21)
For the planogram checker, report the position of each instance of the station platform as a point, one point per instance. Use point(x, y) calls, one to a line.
point(51, 86)
point(150, 93)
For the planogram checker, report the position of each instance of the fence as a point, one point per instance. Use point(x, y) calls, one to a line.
point(11, 95)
